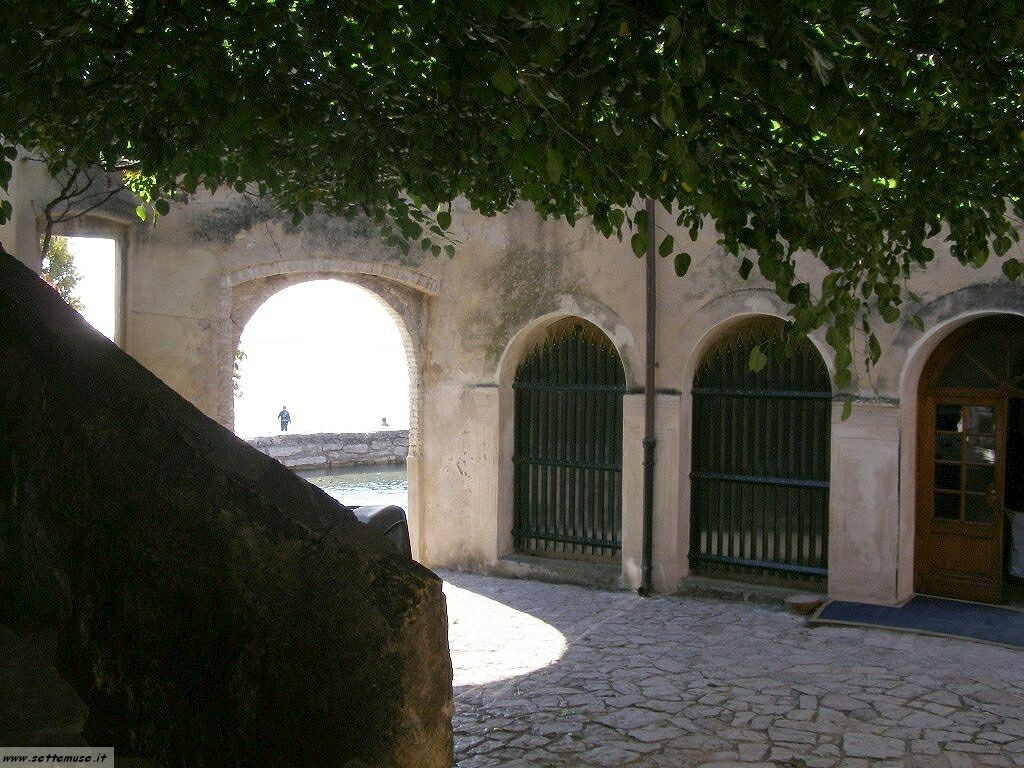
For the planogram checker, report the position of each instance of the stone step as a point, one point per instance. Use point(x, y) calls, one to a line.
point(581, 572)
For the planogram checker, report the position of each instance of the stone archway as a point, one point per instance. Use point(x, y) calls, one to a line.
point(760, 456)
point(404, 292)
point(401, 290)
point(902, 368)
point(970, 397)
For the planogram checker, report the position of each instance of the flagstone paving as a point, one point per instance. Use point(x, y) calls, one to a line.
point(553, 675)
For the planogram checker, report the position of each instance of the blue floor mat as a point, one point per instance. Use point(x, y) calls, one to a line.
point(934, 616)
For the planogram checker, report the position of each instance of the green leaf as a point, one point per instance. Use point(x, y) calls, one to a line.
point(504, 81)
point(667, 243)
point(1012, 268)
point(757, 360)
point(638, 242)
point(444, 219)
point(847, 408)
point(668, 115)
point(745, 266)
point(140, 211)
point(874, 348)
point(162, 207)
point(682, 263)
point(554, 164)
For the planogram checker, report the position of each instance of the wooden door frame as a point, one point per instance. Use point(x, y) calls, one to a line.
point(929, 395)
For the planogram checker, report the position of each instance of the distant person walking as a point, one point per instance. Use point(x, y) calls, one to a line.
point(384, 421)
point(285, 418)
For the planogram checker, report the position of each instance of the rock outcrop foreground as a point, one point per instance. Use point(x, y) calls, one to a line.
point(210, 607)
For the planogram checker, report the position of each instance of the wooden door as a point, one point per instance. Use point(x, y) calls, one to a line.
point(960, 489)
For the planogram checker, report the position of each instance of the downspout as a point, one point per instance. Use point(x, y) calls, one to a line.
point(650, 441)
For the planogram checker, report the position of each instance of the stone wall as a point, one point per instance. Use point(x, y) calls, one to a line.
point(193, 277)
point(335, 449)
point(210, 607)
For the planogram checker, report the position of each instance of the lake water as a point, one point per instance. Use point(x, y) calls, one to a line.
point(363, 486)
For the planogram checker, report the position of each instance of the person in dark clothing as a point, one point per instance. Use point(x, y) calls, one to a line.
point(285, 418)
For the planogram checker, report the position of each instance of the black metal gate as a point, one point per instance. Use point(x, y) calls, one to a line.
point(568, 446)
point(760, 478)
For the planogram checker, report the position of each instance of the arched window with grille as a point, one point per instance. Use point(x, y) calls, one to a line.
point(568, 445)
point(760, 471)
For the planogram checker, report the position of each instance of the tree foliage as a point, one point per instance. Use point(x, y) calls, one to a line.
point(59, 271)
point(855, 130)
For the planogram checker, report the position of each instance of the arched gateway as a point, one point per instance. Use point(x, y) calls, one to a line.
point(970, 459)
point(567, 487)
point(760, 472)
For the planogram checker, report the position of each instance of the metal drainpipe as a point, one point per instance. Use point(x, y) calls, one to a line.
point(650, 441)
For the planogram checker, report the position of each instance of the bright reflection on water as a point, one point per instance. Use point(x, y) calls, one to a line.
point(361, 486)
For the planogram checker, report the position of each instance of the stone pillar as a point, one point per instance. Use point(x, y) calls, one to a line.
point(417, 520)
point(632, 490)
point(671, 529)
point(489, 474)
point(671, 523)
point(864, 504)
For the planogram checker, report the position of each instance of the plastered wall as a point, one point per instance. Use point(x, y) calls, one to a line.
point(195, 276)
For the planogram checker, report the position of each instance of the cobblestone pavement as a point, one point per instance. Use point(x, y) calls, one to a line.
point(551, 675)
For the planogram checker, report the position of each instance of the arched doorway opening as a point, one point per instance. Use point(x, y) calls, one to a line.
point(567, 460)
point(759, 480)
point(332, 354)
point(970, 473)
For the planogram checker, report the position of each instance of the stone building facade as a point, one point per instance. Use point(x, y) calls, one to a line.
point(191, 280)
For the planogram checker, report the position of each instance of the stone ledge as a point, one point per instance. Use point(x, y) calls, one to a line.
point(335, 449)
point(581, 572)
point(741, 591)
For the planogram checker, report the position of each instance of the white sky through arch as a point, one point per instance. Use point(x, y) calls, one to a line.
point(332, 353)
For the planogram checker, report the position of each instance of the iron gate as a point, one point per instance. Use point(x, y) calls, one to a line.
point(760, 479)
point(568, 446)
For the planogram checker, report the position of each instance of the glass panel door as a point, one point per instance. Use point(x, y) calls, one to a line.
point(965, 481)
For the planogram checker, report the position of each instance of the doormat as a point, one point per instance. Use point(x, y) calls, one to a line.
point(932, 616)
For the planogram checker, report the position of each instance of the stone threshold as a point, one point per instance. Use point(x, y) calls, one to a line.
point(740, 591)
point(580, 572)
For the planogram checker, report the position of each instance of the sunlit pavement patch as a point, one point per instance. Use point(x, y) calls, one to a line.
point(555, 675)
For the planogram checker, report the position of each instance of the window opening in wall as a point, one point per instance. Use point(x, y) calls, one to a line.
point(83, 270)
point(322, 382)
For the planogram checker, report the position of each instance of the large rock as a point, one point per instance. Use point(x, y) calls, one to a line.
point(211, 607)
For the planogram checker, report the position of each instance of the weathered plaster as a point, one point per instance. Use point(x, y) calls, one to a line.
point(194, 278)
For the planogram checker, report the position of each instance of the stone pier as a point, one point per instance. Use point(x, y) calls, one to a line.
point(336, 449)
